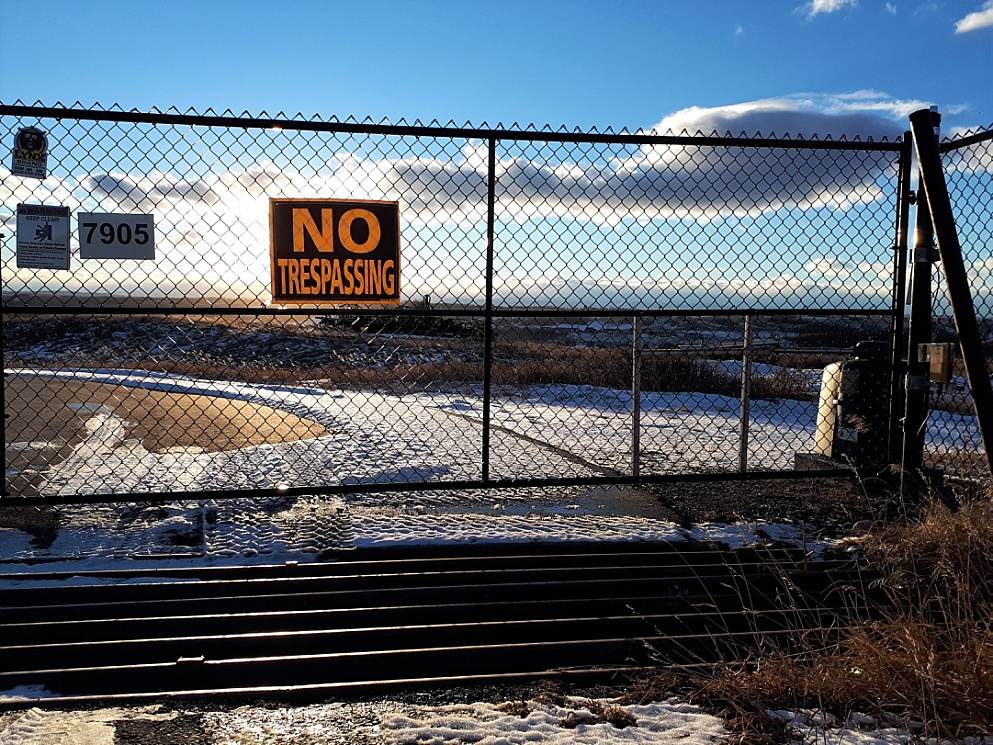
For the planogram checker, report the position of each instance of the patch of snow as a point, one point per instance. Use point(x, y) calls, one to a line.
point(485, 724)
point(26, 693)
point(817, 728)
point(46, 727)
point(376, 527)
point(394, 723)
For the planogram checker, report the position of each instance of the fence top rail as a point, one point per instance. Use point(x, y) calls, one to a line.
point(477, 311)
point(231, 120)
point(970, 138)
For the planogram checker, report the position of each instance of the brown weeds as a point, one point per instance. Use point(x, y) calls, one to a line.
point(928, 658)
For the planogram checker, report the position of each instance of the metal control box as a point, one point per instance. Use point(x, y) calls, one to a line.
point(854, 406)
point(939, 358)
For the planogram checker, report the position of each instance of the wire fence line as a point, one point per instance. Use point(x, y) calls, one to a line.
point(573, 307)
point(967, 160)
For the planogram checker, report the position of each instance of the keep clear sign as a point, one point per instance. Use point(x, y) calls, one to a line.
point(334, 251)
point(42, 237)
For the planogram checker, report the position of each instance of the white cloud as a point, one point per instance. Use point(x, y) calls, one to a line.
point(212, 230)
point(891, 9)
point(815, 7)
point(982, 18)
point(829, 268)
point(655, 181)
point(862, 101)
point(739, 30)
point(864, 114)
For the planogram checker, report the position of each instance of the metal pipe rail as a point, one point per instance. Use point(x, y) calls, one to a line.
point(587, 613)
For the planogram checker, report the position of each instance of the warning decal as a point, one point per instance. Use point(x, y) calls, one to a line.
point(42, 237)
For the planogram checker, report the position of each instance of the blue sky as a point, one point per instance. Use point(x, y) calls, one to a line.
point(816, 68)
point(579, 63)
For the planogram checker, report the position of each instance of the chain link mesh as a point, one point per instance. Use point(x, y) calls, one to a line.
point(968, 165)
point(633, 307)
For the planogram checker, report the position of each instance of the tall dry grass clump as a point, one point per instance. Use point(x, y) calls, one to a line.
point(932, 654)
point(919, 653)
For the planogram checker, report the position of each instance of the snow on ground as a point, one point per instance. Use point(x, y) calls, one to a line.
point(538, 431)
point(398, 723)
point(97, 727)
point(394, 724)
point(378, 438)
point(385, 723)
point(551, 431)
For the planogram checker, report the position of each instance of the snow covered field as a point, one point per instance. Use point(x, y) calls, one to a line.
point(377, 438)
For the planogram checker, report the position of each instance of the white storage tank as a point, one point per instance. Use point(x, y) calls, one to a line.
point(827, 409)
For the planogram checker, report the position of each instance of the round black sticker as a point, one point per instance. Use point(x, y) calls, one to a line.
point(30, 143)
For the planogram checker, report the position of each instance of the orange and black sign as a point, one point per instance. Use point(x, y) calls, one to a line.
point(334, 251)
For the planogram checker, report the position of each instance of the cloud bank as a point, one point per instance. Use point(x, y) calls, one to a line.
point(654, 181)
point(980, 19)
point(611, 201)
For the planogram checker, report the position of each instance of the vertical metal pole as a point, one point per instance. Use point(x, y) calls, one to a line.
point(746, 394)
point(3, 399)
point(897, 336)
point(956, 279)
point(917, 384)
point(636, 398)
point(488, 312)
point(3, 403)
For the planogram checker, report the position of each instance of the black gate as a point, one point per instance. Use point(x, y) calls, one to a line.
point(576, 308)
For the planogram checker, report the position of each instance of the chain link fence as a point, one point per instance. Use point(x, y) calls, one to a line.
point(967, 159)
point(577, 309)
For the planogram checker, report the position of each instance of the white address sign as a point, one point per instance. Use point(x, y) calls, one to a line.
point(116, 236)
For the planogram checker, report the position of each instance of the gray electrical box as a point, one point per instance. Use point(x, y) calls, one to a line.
point(939, 358)
point(853, 414)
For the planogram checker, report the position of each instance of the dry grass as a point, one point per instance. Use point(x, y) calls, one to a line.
point(740, 701)
point(927, 660)
point(517, 361)
point(598, 713)
point(960, 461)
point(932, 658)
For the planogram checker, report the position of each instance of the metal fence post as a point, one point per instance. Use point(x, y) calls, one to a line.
point(488, 325)
point(950, 252)
point(637, 346)
point(898, 336)
point(746, 394)
point(916, 381)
